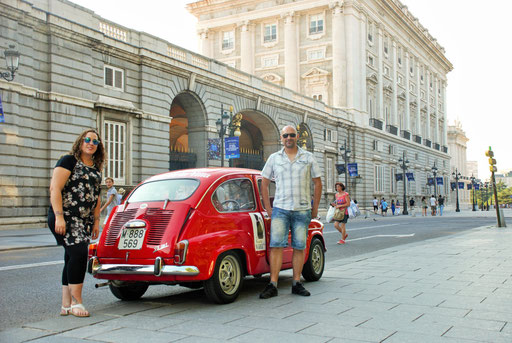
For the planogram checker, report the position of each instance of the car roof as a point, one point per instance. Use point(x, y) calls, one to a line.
point(202, 173)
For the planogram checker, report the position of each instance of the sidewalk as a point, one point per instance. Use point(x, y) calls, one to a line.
point(452, 289)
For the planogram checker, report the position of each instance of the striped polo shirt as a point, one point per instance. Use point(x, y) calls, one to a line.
point(293, 179)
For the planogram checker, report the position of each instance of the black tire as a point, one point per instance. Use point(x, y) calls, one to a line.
point(129, 291)
point(227, 279)
point(314, 266)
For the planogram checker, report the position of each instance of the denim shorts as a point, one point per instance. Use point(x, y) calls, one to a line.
point(282, 221)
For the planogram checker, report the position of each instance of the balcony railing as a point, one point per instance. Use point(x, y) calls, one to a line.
point(376, 123)
point(416, 139)
point(392, 129)
point(445, 149)
point(405, 134)
point(427, 142)
point(437, 146)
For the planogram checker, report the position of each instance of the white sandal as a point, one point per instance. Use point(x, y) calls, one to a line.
point(64, 311)
point(80, 307)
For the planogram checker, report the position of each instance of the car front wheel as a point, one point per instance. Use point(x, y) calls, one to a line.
point(224, 285)
point(314, 266)
point(128, 291)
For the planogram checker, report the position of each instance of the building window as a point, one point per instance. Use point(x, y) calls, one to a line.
point(270, 34)
point(316, 54)
point(228, 40)
point(386, 70)
point(114, 78)
point(330, 174)
point(316, 24)
point(386, 46)
point(370, 32)
point(412, 87)
point(393, 180)
point(115, 148)
point(400, 80)
point(378, 181)
point(422, 95)
point(371, 61)
point(399, 56)
point(269, 61)
point(330, 136)
point(411, 67)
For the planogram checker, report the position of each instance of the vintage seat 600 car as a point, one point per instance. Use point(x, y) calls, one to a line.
point(197, 228)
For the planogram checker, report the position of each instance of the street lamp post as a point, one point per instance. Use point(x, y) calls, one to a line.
point(486, 196)
point(222, 124)
point(403, 164)
point(457, 176)
point(345, 154)
point(472, 178)
point(434, 172)
point(12, 60)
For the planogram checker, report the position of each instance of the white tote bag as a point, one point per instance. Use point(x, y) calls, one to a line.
point(330, 214)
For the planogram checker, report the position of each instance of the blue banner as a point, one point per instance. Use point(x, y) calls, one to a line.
point(477, 186)
point(461, 185)
point(399, 177)
point(213, 148)
point(439, 180)
point(232, 147)
point(430, 181)
point(469, 186)
point(2, 118)
point(352, 169)
point(410, 176)
point(340, 168)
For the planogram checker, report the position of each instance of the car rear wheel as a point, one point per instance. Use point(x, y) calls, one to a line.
point(128, 291)
point(224, 285)
point(314, 266)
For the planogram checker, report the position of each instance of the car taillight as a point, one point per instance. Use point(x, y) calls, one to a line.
point(92, 249)
point(180, 252)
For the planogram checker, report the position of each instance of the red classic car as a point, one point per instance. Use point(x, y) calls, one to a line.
point(197, 228)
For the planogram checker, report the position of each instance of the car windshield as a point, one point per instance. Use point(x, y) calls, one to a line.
point(161, 190)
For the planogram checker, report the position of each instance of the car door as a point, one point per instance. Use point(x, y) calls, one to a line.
point(287, 251)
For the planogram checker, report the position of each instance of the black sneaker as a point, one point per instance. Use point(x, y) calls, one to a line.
point(269, 292)
point(300, 290)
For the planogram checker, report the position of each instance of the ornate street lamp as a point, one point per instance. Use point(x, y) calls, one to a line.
point(222, 124)
point(434, 172)
point(403, 164)
point(345, 154)
point(12, 59)
point(457, 176)
point(472, 178)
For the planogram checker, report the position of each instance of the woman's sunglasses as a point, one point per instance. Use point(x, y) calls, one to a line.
point(89, 140)
point(292, 135)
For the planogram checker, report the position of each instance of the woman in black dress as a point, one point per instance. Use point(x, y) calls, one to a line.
point(74, 214)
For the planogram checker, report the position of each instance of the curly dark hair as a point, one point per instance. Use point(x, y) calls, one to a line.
point(339, 183)
point(98, 157)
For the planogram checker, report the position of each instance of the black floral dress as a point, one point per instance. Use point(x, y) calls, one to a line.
point(79, 199)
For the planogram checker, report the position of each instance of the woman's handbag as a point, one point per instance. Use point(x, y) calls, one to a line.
point(330, 214)
point(339, 215)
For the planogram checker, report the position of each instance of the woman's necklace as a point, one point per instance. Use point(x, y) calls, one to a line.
point(88, 163)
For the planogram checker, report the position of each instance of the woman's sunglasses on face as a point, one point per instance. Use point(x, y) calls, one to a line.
point(88, 140)
point(292, 135)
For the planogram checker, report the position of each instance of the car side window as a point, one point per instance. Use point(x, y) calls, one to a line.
point(271, 192)
point(236, 195)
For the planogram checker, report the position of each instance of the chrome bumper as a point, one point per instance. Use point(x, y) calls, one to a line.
point(140, 269)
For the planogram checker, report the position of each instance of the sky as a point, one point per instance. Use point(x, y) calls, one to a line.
point(475, 35)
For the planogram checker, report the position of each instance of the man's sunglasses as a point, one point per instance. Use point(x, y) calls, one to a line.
point(292, 135)
point(89, 140)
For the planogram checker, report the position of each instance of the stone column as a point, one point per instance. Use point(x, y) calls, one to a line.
point(437, 112)
point(350, 31)
point(247, 48)
point(418, 99)
point(394, 100)
point(291, 54)
point(445, 114)
point(427, 83)
point(407, 121)
point(205, 43)
point(362, 47)
point(380, 86)
point(338, 56)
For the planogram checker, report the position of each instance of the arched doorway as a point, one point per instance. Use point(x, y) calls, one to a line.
point(259, 138)
point(187, 134)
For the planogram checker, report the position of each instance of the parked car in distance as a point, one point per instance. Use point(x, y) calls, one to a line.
point(202, 227)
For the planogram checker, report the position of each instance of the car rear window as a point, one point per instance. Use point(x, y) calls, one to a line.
point(161, 190)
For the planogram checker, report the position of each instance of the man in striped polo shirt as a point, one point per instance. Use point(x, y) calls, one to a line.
point(292, 168)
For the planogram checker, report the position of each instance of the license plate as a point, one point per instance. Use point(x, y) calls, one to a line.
point(131, 239)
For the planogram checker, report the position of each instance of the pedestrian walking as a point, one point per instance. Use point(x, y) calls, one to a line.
point(411, 205)
point(112, 198)
point(384, 206)
point(433, 205)
point(393, 207)
point(424, 206)
point(375, 205)
point(342, 201)
point(293, 169)
point(74, 213)
point(440, 202)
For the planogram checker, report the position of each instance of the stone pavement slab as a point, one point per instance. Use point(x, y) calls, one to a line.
point(451, 289)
